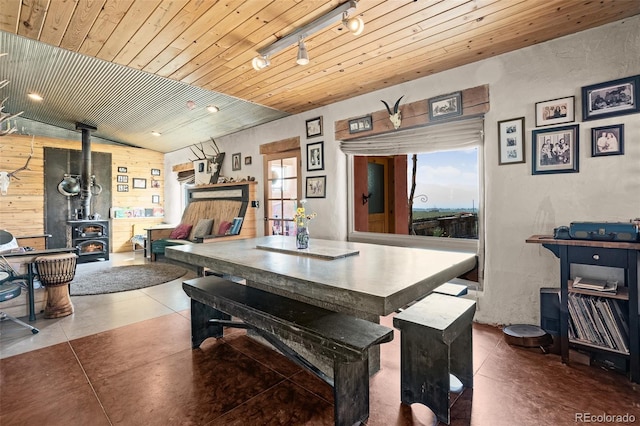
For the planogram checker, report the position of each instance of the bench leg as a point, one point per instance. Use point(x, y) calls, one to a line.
point(350, 392)
point(461, 363)
point(201, 329)
point(424, 377)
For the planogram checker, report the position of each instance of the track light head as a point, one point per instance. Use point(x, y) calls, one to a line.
point(260, 62)
point(355, 25)
point(303, 55)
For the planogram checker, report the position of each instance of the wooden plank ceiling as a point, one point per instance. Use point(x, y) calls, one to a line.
point(210, 44)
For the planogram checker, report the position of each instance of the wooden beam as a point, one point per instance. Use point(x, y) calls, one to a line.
point(183, 167)
point(475, 101)
point(291, 144)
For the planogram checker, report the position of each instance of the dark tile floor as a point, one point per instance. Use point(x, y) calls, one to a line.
point(146, 374)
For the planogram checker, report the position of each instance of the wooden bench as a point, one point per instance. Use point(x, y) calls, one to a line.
point(342, 338)
point(435, 342)
point(220, 203)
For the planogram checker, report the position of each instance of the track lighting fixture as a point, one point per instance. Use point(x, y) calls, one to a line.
point(260, 62)
point(355, 24)
point(303, 56)
point(340, 13)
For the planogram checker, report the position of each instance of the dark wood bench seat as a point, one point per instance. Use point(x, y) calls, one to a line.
point(340, 337)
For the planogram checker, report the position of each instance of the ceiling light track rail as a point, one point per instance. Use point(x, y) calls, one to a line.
point(340, 13)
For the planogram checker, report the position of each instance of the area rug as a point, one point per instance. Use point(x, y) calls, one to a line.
point(124, 278)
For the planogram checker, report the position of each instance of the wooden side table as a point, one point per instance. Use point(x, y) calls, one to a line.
point(623, 255)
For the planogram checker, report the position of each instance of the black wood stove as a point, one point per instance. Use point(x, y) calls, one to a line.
point(90, 238)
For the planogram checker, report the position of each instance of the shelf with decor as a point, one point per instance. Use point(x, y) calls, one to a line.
point(603, 323)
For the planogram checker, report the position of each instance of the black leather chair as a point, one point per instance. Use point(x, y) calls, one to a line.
point(11, 284)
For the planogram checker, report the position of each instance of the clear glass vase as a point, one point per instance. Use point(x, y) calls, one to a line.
point(302, 237)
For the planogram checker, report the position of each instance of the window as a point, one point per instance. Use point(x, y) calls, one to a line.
point(437, 206)
point(444, 199)
point(430, 194)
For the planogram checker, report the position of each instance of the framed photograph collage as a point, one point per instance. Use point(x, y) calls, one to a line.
point(315, 185)
point(556, 149)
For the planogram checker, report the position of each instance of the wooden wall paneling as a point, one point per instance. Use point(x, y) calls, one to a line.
point(280, 72)
point(211, 43)
point(10, 16)
point(32, 15)
point(395, 48)
point(164, 19)
point(249, 224)
point(132, 21)
point(250, 26)
point(192, 44)
point(112, 12)
point(22, 210)
point(56, 22)
point(85, 15)
point(242, 52)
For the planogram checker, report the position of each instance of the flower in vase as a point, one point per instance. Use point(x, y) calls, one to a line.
point(301, 217)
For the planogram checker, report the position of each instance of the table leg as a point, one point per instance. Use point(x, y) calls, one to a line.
point(32, 304)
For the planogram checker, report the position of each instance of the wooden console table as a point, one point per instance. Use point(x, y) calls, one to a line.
point(622, 255)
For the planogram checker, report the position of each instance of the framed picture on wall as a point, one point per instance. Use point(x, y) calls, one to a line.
point(247, 161)
point(122, 169)
point(155, 172)
point(316, 187)
point(123, 179)
point(362, 124)
point(613, 98)
point(555, 111)
point(155, 199)
point(511, 141)
point(122, 188)
point(607, 140)
point(555, 150)
point(235, 162)
point(315, 156)
point(139, 183)
point(314, 127)
point(445, 106)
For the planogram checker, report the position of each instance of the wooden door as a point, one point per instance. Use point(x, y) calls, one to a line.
point(378, 194)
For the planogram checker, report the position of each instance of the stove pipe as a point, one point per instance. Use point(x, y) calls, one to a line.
point(86, 168)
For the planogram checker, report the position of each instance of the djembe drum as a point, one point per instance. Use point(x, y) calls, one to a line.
point(56, 272)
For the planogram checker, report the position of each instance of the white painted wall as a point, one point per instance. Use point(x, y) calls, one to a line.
point(517, 204)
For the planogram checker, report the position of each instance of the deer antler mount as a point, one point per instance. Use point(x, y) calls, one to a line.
point(5, 177)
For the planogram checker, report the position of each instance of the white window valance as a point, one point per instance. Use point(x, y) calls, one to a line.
point(437, 137)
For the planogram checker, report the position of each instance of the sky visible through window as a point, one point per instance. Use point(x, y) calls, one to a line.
point(449, 179)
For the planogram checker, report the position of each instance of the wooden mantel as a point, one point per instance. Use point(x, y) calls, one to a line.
point(475, 101)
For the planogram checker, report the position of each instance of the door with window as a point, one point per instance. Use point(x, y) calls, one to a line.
point(378, 194)
point(283, 186)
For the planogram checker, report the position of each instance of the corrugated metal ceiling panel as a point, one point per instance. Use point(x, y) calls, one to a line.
point(123, 103)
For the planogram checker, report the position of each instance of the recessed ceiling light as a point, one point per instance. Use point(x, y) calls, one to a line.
point(35, 96)
point(154, 133)
point(213, 108)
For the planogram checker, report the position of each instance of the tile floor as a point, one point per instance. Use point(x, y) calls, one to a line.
point(125, 359)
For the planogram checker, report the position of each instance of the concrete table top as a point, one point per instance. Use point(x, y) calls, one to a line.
point(377, 280)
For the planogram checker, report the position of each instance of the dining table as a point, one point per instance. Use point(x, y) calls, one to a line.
point(361, 279)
